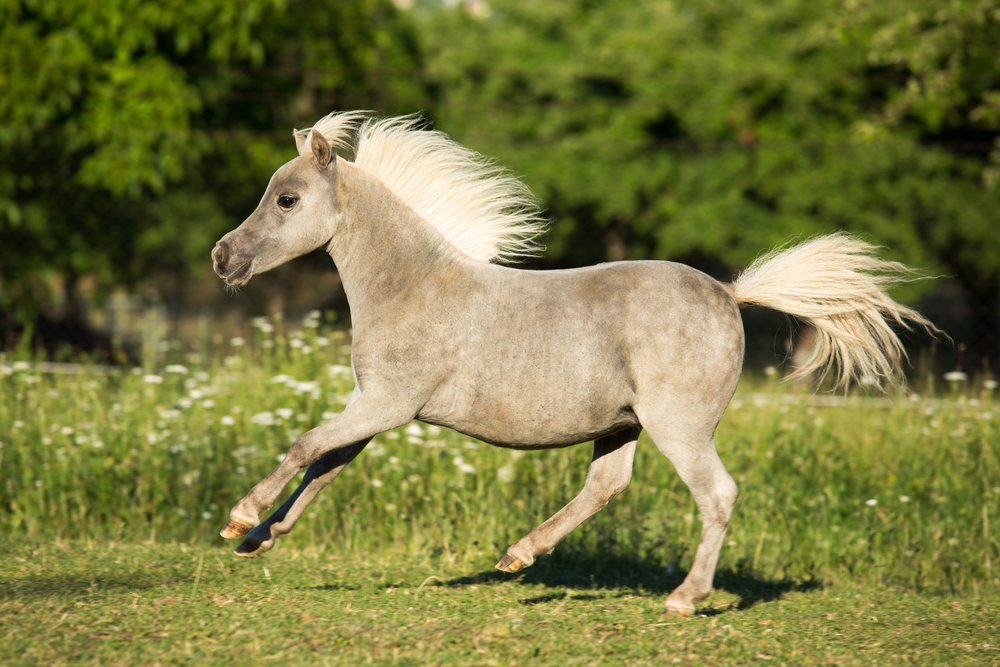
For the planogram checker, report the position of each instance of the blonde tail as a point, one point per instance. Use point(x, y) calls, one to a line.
point(837, 284)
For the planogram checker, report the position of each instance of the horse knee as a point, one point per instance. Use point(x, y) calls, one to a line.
point(305, 450)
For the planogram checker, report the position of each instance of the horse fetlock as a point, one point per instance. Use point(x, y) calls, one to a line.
point(681, 602)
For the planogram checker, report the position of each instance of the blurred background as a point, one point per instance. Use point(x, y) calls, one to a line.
point(134, 134)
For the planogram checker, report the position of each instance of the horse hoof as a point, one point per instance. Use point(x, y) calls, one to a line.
point(677, 613)
point(235, 529)
point(510, 564)
point(249, 549)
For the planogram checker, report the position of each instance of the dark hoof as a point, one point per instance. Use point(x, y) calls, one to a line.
point(248, 549)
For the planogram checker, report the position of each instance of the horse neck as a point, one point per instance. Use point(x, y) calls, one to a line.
point(383, 250)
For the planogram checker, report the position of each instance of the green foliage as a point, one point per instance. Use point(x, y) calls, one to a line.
point(708, 130)
point(134, 134)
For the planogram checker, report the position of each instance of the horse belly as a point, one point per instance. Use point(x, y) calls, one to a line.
point(534, 407)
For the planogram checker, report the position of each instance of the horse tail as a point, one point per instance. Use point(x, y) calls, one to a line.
point(837, 284)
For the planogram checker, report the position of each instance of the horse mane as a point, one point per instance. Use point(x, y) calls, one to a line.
point(480, 207)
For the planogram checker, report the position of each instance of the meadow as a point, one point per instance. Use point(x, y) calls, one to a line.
point(863, 529)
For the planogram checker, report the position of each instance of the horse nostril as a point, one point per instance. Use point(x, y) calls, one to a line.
point(220, 255)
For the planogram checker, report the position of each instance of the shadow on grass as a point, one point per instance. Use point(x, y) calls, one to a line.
point(629, 575)
point(76, 585)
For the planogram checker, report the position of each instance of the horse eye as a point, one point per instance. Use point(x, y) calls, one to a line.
point(286, 202)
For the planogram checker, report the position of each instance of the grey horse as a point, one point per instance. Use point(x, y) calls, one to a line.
point(531, 359)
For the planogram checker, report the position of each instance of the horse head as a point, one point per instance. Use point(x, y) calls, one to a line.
point(296, 215)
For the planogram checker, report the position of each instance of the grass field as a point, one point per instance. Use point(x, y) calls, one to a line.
point(863, 531)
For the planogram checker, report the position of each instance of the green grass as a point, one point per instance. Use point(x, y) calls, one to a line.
point(115, 604)
point(895, 502)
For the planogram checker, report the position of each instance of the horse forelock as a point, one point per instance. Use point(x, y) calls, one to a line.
point(479, 207)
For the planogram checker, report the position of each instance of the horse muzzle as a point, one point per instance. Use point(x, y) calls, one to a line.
point(233, 272)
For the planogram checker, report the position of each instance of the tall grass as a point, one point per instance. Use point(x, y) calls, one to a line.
point(903, 492)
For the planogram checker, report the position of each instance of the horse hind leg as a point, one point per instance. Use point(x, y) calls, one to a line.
point(609, 474)
point(692, 451)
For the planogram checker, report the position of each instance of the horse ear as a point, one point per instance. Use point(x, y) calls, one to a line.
point(300, 140)
point(321, 149)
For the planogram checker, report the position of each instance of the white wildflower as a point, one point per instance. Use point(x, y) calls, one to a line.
point(989, 384)
point(227, 420)
point(414, 430)
point(66, 430)
point(21, 366)
point(322, 341)
point(185, 402)
point(208, 404)
point(376, 483)
point(338, 369)
point(285, 413)
point(195, 394)
point(262, 324)
point(97, 444)
point(18, 423)
point(904, 499)
point(327, 416)
point(263, 418)
point(296, 342)
point(306, 349)
point(152, 379)
point(282, 379)
point(306, 387)
point(176, 368)
point(506, 474)
point(237, 342)
point(955, 376)
point(871, 502)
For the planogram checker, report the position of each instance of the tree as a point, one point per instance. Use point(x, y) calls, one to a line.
point(707, 130)
point(134, 134)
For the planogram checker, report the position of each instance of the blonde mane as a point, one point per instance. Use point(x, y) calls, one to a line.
point(480, 207)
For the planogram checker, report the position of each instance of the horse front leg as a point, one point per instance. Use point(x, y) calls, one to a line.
point(318, 475)
point(359, 422)
point(609, 474)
